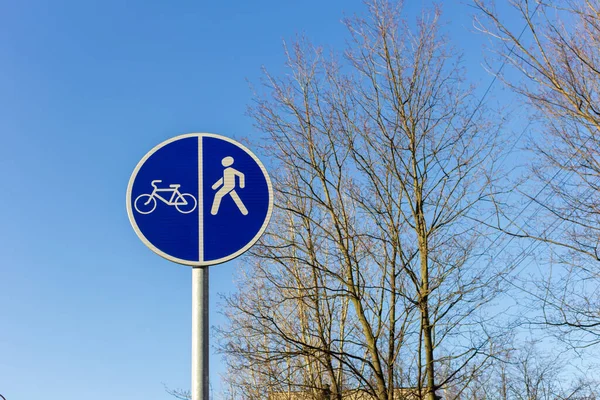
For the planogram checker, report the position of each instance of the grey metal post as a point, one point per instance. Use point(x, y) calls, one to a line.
point(200, 330)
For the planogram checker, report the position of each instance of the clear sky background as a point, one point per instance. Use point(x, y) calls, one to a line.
point(86, 89)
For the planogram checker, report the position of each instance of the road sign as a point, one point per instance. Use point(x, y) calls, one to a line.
point(199, 199)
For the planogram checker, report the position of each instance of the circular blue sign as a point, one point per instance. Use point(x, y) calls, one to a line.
point(199, 199)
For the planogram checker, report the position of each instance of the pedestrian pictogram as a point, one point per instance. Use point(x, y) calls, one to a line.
point(227, 187)
point(199, 199)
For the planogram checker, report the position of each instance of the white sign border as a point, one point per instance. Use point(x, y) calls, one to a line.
point(201, 263)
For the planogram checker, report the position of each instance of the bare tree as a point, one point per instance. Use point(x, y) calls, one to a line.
point(179, 393)
point(559, 59)
point(373, 275)
point(526, 372)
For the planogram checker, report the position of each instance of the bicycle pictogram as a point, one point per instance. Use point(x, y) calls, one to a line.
point(185, 203)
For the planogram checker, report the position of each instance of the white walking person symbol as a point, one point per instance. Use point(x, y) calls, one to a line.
point(227, 187)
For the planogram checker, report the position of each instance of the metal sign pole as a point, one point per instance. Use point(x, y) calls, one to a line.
point(200, 329)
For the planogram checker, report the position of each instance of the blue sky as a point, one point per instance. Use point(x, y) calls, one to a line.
point(87, 88)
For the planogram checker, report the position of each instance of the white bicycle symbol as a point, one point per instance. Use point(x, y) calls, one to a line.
point(185, 203)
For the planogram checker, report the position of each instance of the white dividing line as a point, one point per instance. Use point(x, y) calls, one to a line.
point(200, 204)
